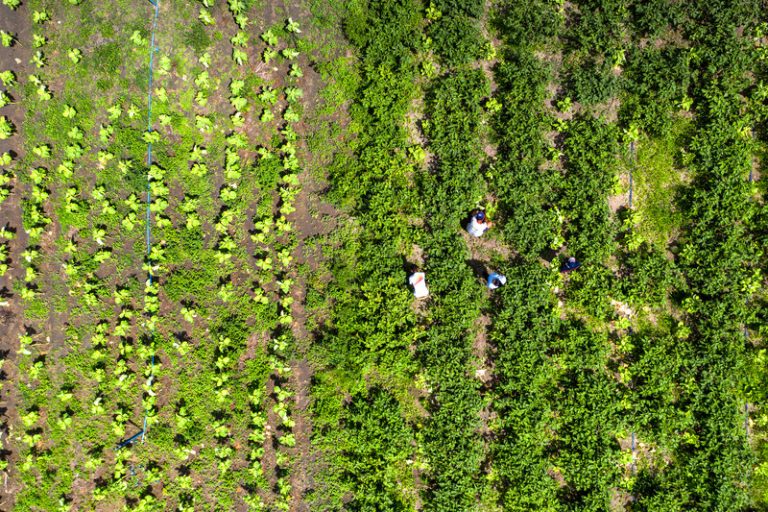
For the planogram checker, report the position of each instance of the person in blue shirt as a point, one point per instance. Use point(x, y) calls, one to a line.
point(570, 264)
point(495, 280)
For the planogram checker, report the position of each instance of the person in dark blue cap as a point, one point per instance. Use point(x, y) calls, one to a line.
point(570, 264)
point(478, 223)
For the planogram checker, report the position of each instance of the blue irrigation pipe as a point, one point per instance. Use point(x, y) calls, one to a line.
point(152, 50)
point(131, 439)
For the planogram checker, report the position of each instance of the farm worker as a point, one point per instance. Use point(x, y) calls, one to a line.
point(419, 285)
point(478, 223)
point(495, 280)
point(569, 265)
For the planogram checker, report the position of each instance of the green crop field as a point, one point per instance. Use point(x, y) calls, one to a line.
point(210, 211)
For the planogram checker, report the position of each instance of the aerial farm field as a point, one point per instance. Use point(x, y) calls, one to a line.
point(210, 211)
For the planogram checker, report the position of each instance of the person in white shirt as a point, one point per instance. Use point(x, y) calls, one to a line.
point(419, 284)
point(478, 223)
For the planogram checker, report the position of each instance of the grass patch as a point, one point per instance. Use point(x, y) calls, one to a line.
point(657, 179)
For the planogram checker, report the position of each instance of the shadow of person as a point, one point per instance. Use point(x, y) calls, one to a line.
point(478, 268)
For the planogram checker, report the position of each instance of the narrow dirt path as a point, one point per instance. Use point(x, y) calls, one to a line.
point(15, 58)
point(312, 217)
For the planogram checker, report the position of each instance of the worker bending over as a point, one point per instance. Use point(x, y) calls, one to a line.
point(478, 223)
point(495, 280)
point(419, 285)
point(570, 264)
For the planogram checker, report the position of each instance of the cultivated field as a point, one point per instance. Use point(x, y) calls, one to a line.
point(209, 212)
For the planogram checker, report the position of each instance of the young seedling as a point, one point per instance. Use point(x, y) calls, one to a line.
point(242, 21)
point(239, 56)
point(6, 128)
point(203, 80)
point(238, 102)
point(270, 38)
point(293, 94)
point(38, 59)
point(205, 17)
point(292, 26)
point(290, 53)
point(105, 132)
point(137, 39)
point(269, 55)
point(40, 16)
point(240, 39)
point(7, 38)
point(12, 4)
point(204, 124)
point(291, 115)
point(8, 78)
point(43, 151)
point(69, 112)
point(75, 133)
point(268, 95)
point(75, 55)
point(295, 71)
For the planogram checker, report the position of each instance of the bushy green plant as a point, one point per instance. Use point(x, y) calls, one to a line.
point(457, 39)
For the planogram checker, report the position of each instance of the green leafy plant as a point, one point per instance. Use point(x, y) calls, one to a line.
point(75, 55)
point(289, 53)
point(6, 128)
point(269, 55)
point(40, 16)
point(270, 38)
point(8, 78)
point(7, 39)
point(292, 26)
point(38, 59)
point(205, 17)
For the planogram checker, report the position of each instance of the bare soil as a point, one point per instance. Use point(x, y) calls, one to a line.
point(15, 58)
point(301, 476)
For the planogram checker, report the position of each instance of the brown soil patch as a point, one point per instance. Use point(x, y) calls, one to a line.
point(480, 349)
point(609, 110)
point(485, 247)
point(620, 500)
point(301, 477)
point(616, 203)
point(15, 58)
